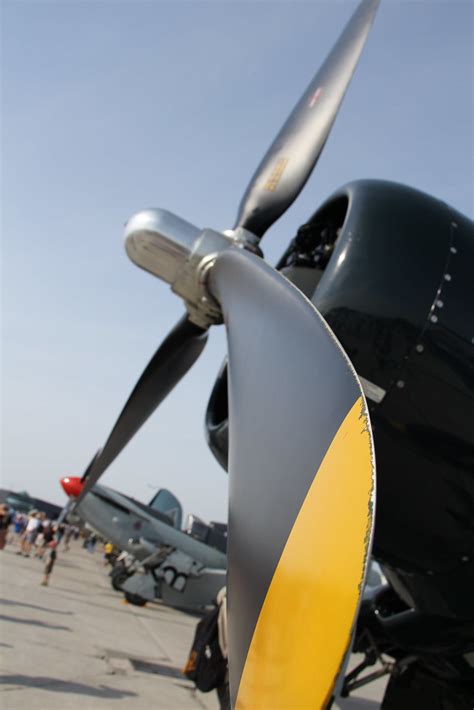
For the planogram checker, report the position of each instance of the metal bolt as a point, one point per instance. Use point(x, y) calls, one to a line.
point(419, 348)
point(434, 319)
point(447, 277)
point(465, 558)
point(453, 250)
point(439, 304)
point(400, 384)
point(454, 224)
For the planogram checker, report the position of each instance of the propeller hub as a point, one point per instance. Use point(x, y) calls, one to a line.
point(182, 255)
point(72, 486)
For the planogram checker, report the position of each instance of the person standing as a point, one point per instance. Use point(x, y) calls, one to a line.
point(60, 532)
point(19, 525)
point(47, 536)
point(48, 568)
point(91, 543)
point(68, 529)
point(109, 554)
point(207, 664)
point(222, 689)
point(31, 533)
point(5, 520)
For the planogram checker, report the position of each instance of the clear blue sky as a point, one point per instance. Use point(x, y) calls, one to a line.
point(111, 107)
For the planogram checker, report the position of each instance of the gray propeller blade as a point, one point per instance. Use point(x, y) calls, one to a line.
point(175, 356)
point(89, 468)
point(216, 422)
point(301, 489)
point(292, 156)
point(64, 512)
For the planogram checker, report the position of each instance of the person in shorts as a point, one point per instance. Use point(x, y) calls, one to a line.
point(19, 525)
point(31, 533)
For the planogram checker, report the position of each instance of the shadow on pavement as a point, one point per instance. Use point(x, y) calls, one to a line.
point(67, 563)
point(65, 686)
point(11, 602)
point(117, 604)
point(34, 622)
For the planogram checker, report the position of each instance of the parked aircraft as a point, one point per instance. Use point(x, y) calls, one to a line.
point(24, 503)
point(185, 569)
point(390, 269)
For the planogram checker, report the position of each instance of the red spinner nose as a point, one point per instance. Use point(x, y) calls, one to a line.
point(72, 486)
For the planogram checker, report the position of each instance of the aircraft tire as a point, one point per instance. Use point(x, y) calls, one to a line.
point(117, 578)
point(135, 599)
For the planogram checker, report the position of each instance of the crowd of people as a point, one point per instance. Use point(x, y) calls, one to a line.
point(35, 535)
point(39, 536)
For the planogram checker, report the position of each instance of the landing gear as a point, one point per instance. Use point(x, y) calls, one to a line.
point(352, 681)
point(135, 599)
point(426, 657)
point(118, 576)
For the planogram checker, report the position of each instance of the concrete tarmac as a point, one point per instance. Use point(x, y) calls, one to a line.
point(76, 645)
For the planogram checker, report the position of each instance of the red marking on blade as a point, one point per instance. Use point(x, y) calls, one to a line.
point(315, 97)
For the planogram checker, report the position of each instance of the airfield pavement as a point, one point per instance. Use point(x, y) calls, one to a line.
point(75, 644)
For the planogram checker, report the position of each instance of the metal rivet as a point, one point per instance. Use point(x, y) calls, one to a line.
point(454, 224)
point(453, 250)
point(434, 319)
point(465, 558)
point(400, 384)
point(447, 277)
point(439, 304)
point(419, 348)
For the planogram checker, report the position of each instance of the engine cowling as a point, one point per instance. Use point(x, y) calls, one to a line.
point(390, 268)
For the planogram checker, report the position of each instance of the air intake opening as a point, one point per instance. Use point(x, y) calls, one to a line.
point(314, 242)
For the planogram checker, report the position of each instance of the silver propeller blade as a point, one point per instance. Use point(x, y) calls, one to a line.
point(289, 161)
point(301, 489)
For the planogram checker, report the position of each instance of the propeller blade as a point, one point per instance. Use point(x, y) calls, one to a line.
point(88, 469)
point(288, 163)
point(175, 356)
point(64, 512)
point(301, 490)
point(217, 421)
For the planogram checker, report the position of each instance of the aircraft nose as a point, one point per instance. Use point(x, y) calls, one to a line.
point(72, 486)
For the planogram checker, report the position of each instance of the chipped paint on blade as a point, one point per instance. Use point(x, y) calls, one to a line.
point(304, 627)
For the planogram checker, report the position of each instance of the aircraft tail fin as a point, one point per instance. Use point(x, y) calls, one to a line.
point(166, 502)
